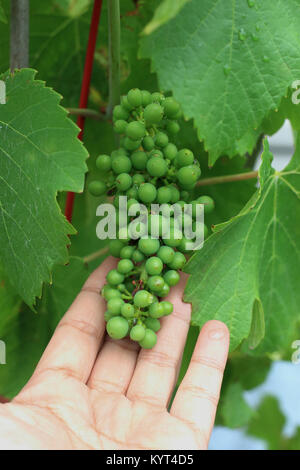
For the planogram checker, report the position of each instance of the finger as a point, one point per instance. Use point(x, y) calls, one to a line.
point(76, 340)
point(156, 371)
point(114, 366)
point(198, 395)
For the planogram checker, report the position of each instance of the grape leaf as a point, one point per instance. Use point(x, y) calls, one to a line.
point(165, 11)
point(40, 155)
point(228, 64)
point(3, 18)
point(268, 422)
point(255, 255)
point(235, 411)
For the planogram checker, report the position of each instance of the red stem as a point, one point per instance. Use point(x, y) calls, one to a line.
point(85, 87)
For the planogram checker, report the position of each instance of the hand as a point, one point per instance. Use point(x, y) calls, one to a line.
point(116, 397)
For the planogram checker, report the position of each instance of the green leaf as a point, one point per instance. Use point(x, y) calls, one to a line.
point(257, 331)
point(166, 10)
point(255, 255)
point(39, 156)
point(235, 411)
point(268, 422)
point(3, 18)
point(228, 65)
point(250, 371)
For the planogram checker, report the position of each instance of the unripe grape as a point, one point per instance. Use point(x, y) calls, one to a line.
point(125, 266)
point(171, 107)
point(153, 324)
point(121, 164)
point(135, 130)
point(147, 192)
point(153, 113)
point(157, 97)
point(172, 127)
point(137, 332)
point(114, 305)
point(109, 292)
point(161, 139)
point(148, 143)
point(134, 97)
point(146, 97)
point(156, 283)
point(170, 151)
point(103, 163)
point(120, 126)
point(166, 254)
point(157, 167)
point(164, 291)
point(138, 179)
point(115, 247)
point(120, 112)
point(184, 157)
point(114, 277)
point(167, 306)
point(164, 195)
point(148, 246)
point(117, 327)
point(156, 310)
point(208, 202)
point(139, 160)
point(138, 256)
point(126, 252)
point(154, 265)
point(171, 277)
point(149, 340)
point(142, 299)
point(127, 310)
point(97, 188)
point(123, 181)
point(178, 261)
point(130, 144)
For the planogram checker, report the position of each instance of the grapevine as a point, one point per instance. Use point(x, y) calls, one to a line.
point(147, 168)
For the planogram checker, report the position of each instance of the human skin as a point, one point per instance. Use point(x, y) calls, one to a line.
point(91, 392)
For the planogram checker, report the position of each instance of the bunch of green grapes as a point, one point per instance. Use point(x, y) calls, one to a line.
point(147, 168)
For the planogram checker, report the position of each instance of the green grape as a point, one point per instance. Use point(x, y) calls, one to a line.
point(138, 179)
point(157, 167)
point(114, 305)
point(184, 158)
point(154, 265)
point(127, 310)
point(184, 195)
point(148, 246)
point(97, 188)
point(157, 97)
point(146, 97)
point(123, 181)
point(183, 247)
point(156, 310)
point(174, 238)
point(139, 160)
point(110, 293)
point(188, 174)
point(175, 194)
point(155, 283)
point(126, 252)
point(134, 97)
point(114, 277)
point(103, 163)
point(115, 247)
point(171, 107)
point(125, 266)
point(131, 193)
point(120, 126)
point(166, 254)
point(161, 139)
point(148, 143)
point(142, 299)
point(178, 261)
point(125, 104)
point(121, 164)
point(120, 113)
point(153, 324)
point(171, 277)
point(153, 113)
point(149, 340)
point(172, 127)
point(117, 327)
point(138, 256)
point(167, 307)
point(147, 192)
point(170, 151)
point(137, 333)
point(130, 144)
point(156, 153)
point(135, 130)
point(164, 195)
point(164, 291)
point(108, 316)
point(121, 287)
point(132, 201)
point(208, 202)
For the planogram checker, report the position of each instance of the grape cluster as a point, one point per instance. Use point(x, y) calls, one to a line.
point(147, 168)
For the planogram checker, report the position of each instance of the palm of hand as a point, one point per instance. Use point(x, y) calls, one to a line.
point(117, 398)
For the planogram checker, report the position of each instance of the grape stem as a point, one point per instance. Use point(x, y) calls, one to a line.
point(95, 255)
point(114, 54)
point(19, 34)
point(89, 113)
point(228, 178)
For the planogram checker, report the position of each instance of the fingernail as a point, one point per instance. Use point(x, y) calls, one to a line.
point(217, 333)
